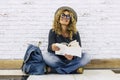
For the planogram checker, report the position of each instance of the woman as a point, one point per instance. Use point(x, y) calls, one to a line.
point(64, 31)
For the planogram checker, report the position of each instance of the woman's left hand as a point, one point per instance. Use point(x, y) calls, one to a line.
point(69, 57)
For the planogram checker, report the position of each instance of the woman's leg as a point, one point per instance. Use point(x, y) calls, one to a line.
point(76, 63)
point(52, 60)
point(61, 67)
point(85, 59)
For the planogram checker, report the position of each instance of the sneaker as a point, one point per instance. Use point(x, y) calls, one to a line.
point(80, 70)
point(50, 70)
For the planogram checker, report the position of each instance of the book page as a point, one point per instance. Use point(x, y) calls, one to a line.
point(62, 49)
point(75, 51)
point(72, 49)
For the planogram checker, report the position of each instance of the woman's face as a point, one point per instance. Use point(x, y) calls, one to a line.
point(65, 18)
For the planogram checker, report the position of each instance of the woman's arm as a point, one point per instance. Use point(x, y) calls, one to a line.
point(51, 42)
point(78, 39)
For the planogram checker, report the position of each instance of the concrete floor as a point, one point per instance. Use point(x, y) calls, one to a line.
point(87, 75)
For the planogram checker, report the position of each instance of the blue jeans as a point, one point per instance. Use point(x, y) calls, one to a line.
point(66, 66)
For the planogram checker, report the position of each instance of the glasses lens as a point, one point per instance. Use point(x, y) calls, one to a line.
point(65, 16)
point(68, 16)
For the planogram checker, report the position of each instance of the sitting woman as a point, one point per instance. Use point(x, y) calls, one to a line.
point(64, 31)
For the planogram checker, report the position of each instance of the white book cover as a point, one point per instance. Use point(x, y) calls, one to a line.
point(72, 48)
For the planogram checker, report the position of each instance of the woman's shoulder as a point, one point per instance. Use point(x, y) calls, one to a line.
point(51, 31)
point(77, 33)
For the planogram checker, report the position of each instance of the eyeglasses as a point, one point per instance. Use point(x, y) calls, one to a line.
point(65, 16)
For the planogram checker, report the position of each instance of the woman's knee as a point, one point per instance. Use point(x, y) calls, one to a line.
point(51, 59)
point(86, 56)
point(85, 59)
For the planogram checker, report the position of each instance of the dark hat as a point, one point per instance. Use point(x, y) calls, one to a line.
point(69, 9)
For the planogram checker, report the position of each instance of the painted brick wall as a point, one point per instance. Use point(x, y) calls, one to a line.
point(28, 21)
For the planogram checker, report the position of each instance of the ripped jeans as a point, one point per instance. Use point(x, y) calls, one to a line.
point(61, 66)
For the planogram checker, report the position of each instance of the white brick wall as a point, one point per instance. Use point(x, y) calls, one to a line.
point(28, 21)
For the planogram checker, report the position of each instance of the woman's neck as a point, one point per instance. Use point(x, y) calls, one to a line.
point(64, 28)
point(64, 31)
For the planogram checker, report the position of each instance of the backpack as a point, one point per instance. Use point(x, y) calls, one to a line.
point(33, 63)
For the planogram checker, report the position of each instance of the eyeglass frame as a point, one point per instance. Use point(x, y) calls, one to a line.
point(68, 17)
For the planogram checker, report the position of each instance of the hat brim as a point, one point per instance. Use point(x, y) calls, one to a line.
point(69, 9)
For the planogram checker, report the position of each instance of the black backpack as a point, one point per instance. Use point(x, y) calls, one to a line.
point(33, 63)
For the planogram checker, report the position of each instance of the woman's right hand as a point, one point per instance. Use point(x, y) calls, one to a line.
point(55, 48)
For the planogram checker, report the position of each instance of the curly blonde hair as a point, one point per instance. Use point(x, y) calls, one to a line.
point(71, 29)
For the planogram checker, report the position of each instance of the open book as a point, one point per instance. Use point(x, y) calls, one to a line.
point(72, 48)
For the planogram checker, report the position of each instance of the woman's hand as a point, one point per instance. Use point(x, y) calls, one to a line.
point(69, 57)
point(55, 48)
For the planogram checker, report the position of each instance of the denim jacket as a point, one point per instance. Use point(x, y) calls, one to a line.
point(33, 63)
